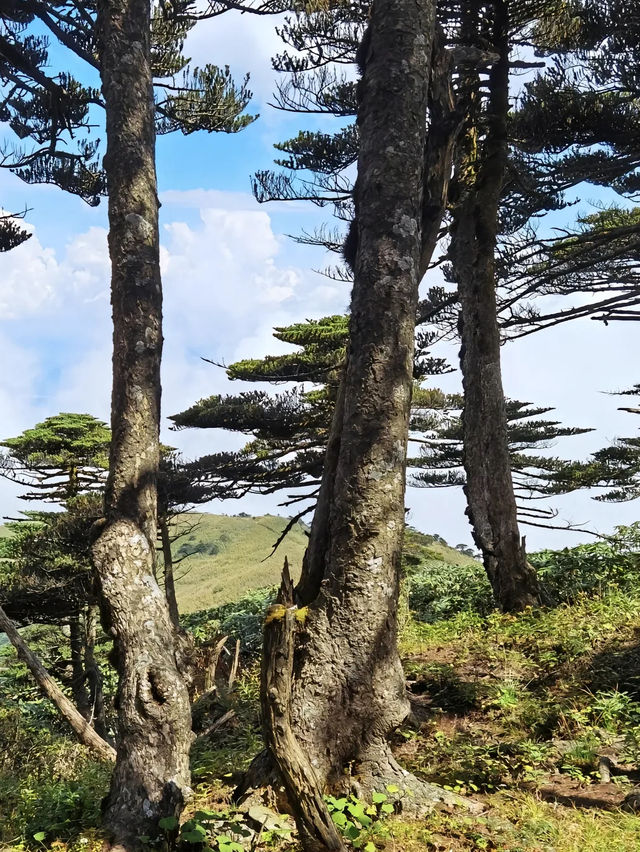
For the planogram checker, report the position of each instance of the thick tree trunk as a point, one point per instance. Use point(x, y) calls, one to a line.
point(50, 688)
point(349, 689)
point(151, 778)
point(489, 489)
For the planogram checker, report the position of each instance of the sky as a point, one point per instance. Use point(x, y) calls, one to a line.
point(231, 274)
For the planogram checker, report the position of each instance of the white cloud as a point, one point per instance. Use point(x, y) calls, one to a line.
point(244, 42)
point(229, 278)
point(26, 279)
point(227, 282)
point(34, 281)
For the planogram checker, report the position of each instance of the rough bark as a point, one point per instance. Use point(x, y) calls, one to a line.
point(185, 648)
point(349, 690)
point(313, 563)
point(50, 688)
point(479, 178)
point(444, 127)
point(151, 778)
point(315, 827)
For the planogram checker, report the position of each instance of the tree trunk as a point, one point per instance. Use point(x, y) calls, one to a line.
point(444, 127)
point(169, 582)
point(78, 672)
point(50, 688)
point(349, 688)
point(94, 674)
point(489, 489)
point(151, 778)
point(315, 827)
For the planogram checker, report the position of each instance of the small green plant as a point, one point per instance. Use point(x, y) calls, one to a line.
point(212, 830)
point(357, 821)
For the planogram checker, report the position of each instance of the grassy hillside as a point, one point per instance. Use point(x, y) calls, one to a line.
point(225, 556)
point(230, 555)
point(536, 717)
point(221, 557)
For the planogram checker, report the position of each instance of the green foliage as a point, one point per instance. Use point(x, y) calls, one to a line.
point(615, 468)
point(241, 620)
point(45, 574)
point(359, 821)
point(60, 458)
point(208, 99)
point(11, 234)
point(591, 568)
point(49, 786)
point(439, 417)
point(222, 830)
point(290, 429)
point(438, 590)
point(52, 112)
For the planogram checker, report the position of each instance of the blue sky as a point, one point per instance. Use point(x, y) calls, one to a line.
point(231, 274)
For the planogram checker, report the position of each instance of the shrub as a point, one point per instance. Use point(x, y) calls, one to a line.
point(50, 786)
point(590, 568)
point(240, 619)
point(439, 590)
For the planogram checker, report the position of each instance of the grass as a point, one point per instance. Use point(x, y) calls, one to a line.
point(230, 555)
point(511, 711)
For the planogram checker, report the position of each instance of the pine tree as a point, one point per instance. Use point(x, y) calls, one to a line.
point(290, 429)
point(47, 573)
point(577, 121)
point(437, 417)
point(114, 37)
point(359, 520)
point(60, 458)
point(54, 115)
point(615, 468)
point(11, 234)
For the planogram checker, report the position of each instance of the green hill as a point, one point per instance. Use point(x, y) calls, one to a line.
point(221, 557)
point(231, 555)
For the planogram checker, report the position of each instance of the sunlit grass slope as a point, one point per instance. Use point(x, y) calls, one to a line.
point(223, 557)
point(229, 555)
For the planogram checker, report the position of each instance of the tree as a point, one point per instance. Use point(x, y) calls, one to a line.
point(58, 459)
point(66, 708)
point(481, 163)
point(151, 776)
point(577, 121)
point(120, 39)
point(177, 491)
point(535, 476)
point(11, 234)
point(50, 578)
point(615, 468)
point(343, 712)
point(55, 112)
point(290, 429)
